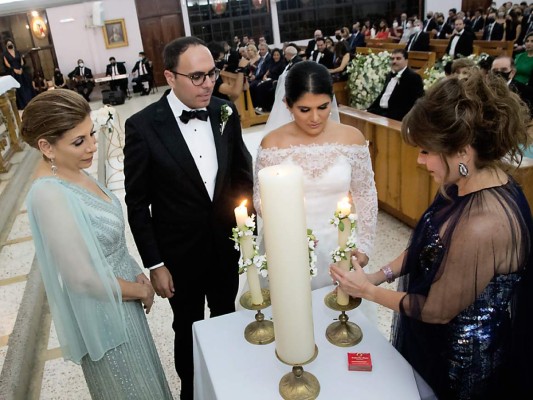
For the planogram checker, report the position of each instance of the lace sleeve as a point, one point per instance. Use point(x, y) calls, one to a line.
point(265, 158)
point(364, 195)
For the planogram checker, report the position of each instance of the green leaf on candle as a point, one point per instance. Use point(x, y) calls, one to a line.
point(341, 226)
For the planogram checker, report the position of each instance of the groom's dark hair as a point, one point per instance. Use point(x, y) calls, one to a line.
point(173, 50)
point(307, 77)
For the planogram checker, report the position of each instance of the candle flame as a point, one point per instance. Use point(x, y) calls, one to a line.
point(243, 203)
point(346, 200)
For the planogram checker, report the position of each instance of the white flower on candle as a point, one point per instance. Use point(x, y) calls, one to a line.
point(247, 230)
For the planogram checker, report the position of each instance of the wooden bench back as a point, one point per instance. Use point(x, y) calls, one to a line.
point(494, 48)
point(421, 60)
point(438, 46)
point(244, 104)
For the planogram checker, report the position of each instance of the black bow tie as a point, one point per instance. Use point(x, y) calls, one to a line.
point(394, 74)
point(186, 116)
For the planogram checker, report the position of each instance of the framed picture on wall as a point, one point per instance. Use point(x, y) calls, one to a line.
point(115, 34)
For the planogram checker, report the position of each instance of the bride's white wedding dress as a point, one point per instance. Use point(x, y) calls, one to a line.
point(331, 172)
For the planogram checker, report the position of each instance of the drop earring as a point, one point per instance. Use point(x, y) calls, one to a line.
point(463, 170)
point(53, 167)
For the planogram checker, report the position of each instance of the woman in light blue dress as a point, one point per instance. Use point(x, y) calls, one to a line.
point(96, 291)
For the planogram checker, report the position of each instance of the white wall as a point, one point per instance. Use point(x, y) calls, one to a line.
point(442, 6)
point(72, 40)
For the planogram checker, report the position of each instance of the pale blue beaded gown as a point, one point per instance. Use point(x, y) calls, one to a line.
point(81, 248)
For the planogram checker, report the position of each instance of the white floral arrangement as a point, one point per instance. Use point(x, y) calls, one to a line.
point(311, 245)
point(367, 75)
point(104, 117)
point(258, 260)
point(344, 254)
point(225, 113)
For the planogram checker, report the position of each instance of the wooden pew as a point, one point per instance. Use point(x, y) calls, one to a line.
point(494, 48)
point(244, 104)
point(342, 93)
point(379, 42)
point(405, 189)
point(438, 46)
point(421, 60)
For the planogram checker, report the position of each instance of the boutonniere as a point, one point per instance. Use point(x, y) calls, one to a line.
point(225, 113)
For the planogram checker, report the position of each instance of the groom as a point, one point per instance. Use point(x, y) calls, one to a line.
point(185, 172)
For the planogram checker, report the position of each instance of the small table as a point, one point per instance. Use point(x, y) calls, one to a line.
point(227, 367)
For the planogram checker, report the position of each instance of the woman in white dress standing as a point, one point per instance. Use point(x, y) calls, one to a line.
point(334, 157)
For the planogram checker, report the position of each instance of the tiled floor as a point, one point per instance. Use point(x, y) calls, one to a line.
point(62, 380)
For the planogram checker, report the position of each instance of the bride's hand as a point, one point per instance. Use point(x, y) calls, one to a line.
point(362, 258)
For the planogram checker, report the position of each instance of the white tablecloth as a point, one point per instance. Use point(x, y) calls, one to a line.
point(7, 82)
point(227, 367)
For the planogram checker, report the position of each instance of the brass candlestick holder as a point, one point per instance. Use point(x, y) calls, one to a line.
point(299, 384)
point(261, 331)
point(343, 333)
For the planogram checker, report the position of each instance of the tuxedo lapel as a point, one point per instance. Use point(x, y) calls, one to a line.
point(221, 143)
point(172, 138)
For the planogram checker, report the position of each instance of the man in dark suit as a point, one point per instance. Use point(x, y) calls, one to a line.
point(419, 40)
point(231, 58)
point(358, 38)
point(322, 55)
point(493, 30)
point(186, 169)
point(291, 57)
point(443, 29)
point(143, 68)
point(402, 87)
point(311, 45)
point(461, 42)
point(113, 69)
point(504, 67)
point(478, 23)
point(430, 24)
point(82, 80)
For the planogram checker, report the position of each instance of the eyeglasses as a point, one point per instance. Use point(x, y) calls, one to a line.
point(198, 78)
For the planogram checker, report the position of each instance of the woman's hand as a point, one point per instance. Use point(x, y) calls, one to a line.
point(361, 258)
point(148, 298)
point(354, 282)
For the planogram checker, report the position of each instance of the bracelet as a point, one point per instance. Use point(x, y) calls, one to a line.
point(389, 276)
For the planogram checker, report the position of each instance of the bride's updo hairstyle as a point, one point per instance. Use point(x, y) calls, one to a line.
point(479, 111)
point(307, 77)
point(52, 113)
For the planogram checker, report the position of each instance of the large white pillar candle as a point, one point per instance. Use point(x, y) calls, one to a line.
point(285, 235)
point(247, 253)
point(344, 207)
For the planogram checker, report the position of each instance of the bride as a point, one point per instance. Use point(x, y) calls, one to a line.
point(334, 157)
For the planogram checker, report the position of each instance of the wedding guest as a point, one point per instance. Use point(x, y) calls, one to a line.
point(14, 62)
point(39, 82)
point(524, 61)
point(465, 297)
point(334, 157)
point(402, 88)
point(342, 59)
point(226, 90)
point(59, 79)
point(82, 80)
point(186, 168)
point(263, 94)
point(383, 31)
point(96, 291)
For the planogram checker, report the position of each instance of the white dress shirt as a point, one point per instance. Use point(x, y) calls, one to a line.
point(384, 101)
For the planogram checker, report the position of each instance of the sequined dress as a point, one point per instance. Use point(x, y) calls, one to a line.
point(468, 263)
point(81, 248)
point(331, 172)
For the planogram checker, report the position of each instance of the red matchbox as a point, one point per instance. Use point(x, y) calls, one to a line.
point(359, 362)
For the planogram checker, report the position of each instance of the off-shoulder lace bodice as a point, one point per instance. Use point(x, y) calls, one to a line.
point(331, 171)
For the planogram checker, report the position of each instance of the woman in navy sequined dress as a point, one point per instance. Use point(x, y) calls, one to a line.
point(465, 296)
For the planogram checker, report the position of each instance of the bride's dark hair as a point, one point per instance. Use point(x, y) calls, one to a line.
point(307, 77)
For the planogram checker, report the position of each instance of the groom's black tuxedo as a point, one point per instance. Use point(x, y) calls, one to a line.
point(173, 219)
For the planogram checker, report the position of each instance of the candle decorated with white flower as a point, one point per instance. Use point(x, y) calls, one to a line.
point(345, 222)
point(244, 231)
point(287, 246)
